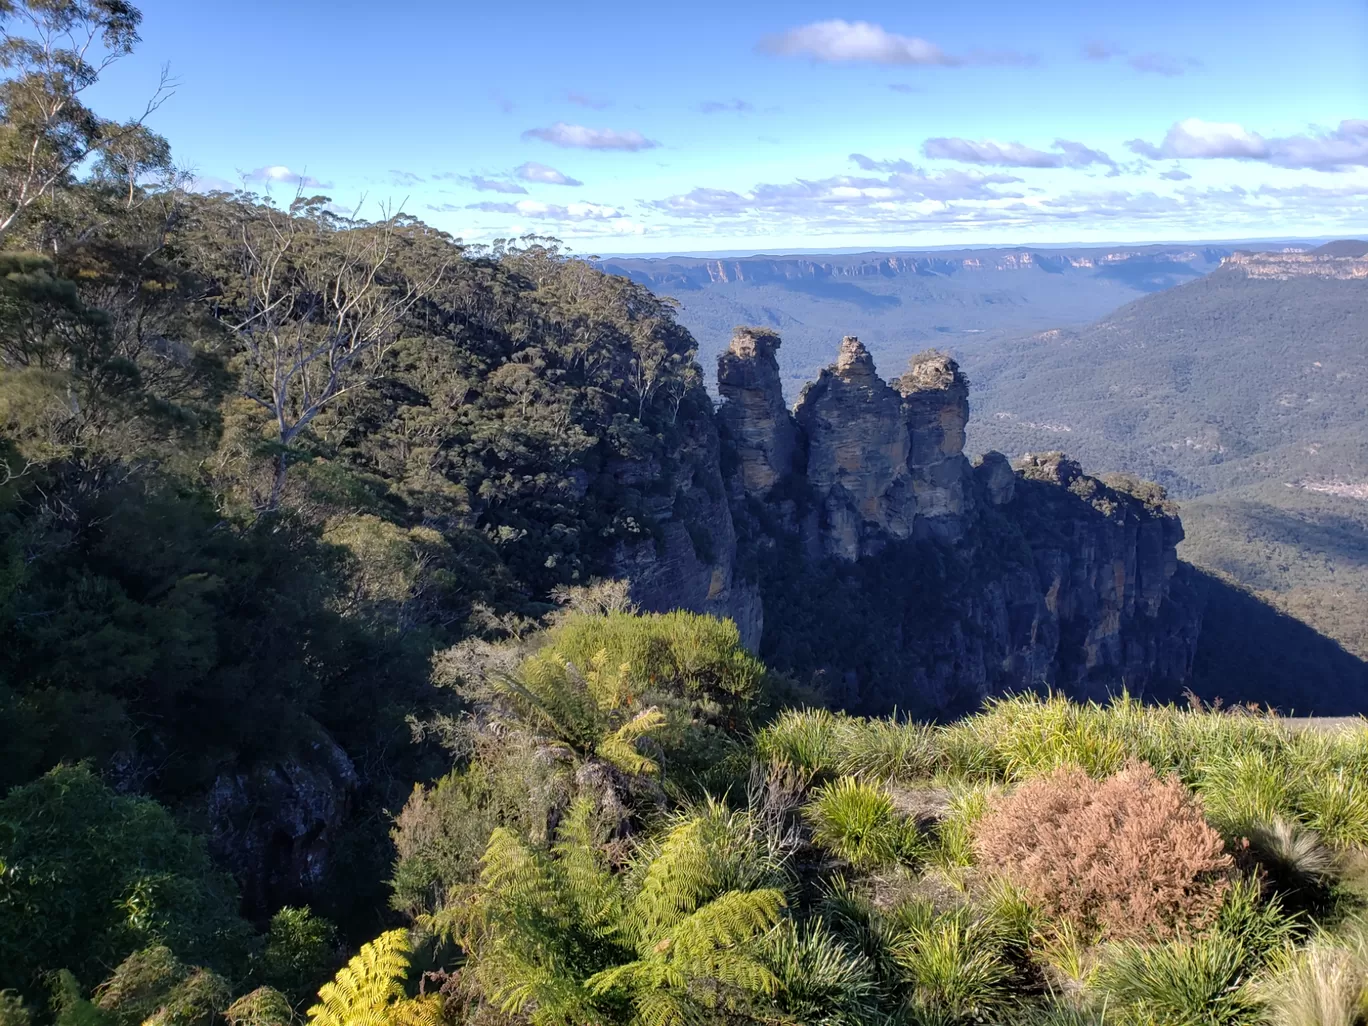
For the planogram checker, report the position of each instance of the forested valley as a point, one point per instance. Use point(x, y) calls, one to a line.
point(317, 703)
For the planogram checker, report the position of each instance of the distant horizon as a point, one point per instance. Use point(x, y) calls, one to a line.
point(1289, 240)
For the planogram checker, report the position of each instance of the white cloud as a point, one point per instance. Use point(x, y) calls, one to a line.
point(211, 183)
point(1097, 50)
point(862, 42)
point(1194, 137)
point(581, 100)
point(279, 173)
point(804, 198)
point(1334, 149)
point(543, 175)
point(1151, 63)
point(997, 154)
point(580, 137)
point(838, 41)
point(404, 177)
point(551, 211)
point(483, 184)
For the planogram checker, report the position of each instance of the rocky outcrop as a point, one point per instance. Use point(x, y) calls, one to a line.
point(935, 399)
point(274, 823)
point(1282, 266)
point(995, 477)
point(858, 450)
point(930, 582)
point(683, 273)
point(687, 559)
point(754, 416)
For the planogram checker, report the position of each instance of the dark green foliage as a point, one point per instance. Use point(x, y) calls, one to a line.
point(301, 952)
point(90, 876)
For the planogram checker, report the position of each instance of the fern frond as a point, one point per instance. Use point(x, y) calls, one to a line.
point(729, 919)
point(677, 880)
point(662, 1008)
point(619, 747)
point(364, 989)
point(513, 872)
point(590, 885)
point(641, 975)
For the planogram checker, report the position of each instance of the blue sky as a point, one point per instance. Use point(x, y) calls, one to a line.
point(631, 127)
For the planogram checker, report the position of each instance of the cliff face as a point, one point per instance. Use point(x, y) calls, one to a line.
point(900, 576)
point(694, 273)
point(1282, 266)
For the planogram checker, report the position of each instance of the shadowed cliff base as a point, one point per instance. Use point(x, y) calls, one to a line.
point(1250, 651)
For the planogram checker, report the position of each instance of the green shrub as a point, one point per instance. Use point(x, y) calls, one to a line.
point(12, 1010)
point(301, 953)
point(953, 964)
point(857, 821)
point(954, 833)
point(805, 739)
point(680, 653)
point(1324, 983)
point(1242, 790)
point(886, 749)
point(1196, 983)
point(818, 978)
point(90, 876)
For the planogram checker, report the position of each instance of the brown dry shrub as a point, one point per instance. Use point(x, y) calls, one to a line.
point(1130, 856)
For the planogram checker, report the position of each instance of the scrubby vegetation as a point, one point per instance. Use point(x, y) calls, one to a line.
point(312, 707)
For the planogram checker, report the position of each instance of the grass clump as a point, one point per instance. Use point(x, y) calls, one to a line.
point(858, 822)
point(1202, 982)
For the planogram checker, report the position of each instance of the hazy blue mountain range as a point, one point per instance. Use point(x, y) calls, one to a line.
point(901, 303)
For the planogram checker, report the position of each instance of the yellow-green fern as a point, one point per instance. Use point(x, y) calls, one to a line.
point(369, 990)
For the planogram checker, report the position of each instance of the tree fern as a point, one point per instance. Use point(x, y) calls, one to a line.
point(619, 747)
point(369, 990)
point(564, 940)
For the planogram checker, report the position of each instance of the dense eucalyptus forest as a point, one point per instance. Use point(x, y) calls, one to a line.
point(304, 516)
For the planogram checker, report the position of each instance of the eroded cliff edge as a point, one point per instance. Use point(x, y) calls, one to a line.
point(880, 563)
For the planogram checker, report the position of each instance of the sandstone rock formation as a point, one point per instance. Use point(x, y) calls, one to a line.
point(963, 581)
point(936, 406)
point(1282, 266)
point(274, 824)
point(754, 414)
point(857, 455)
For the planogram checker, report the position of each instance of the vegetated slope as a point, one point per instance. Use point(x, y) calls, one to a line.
point(905, 302)
point(1343, 248)
point(1305, 552)
point(1244, 395)
point(1205, 387)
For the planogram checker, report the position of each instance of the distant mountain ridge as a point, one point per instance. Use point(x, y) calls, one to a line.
point(699, 272)
point(905, 302)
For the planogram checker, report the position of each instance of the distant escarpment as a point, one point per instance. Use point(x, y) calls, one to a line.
point(1345, 263)
point(893, 573)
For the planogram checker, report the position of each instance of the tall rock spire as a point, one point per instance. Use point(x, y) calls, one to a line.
point(753, 415)
point(857, 453)
point(935, 402)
